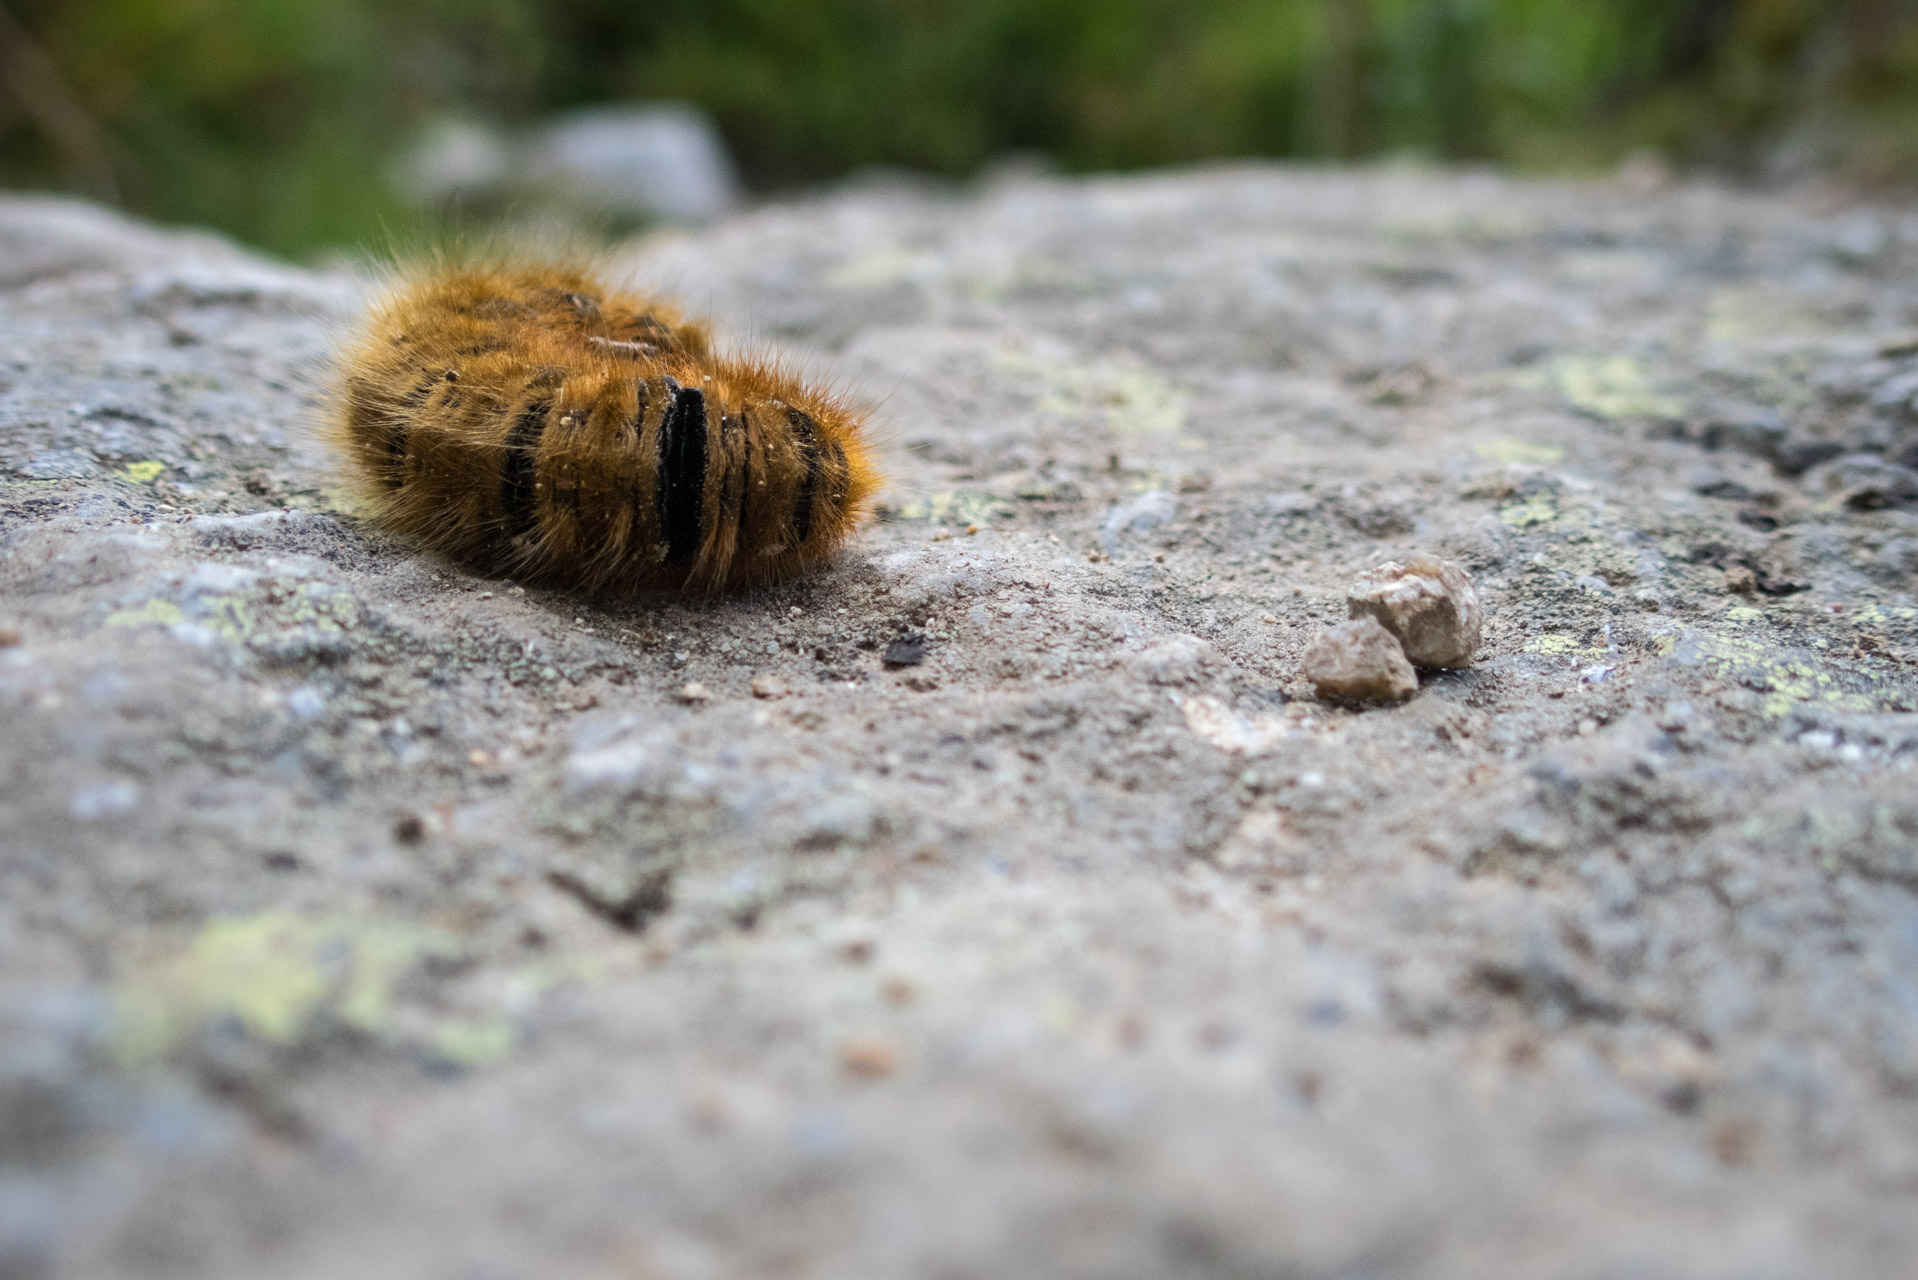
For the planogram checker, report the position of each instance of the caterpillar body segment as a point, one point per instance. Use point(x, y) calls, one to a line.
point(527, 422)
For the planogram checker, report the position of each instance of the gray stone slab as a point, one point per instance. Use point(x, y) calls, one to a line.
point(359, 916)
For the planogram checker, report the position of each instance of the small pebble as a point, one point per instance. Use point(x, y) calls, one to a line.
point(769, 687)
point(1358, 662)
point(1741, 580)
point(1429, 604)
point(1177, 660)
point(868, 1059)
point(9, 637)
point(695, 692)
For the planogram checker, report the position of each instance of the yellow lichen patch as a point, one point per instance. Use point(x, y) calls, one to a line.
point(1561, 644)
point(1767, 313)
point(227, 616)
point(1132, 401)
point(157, 613)
point(1506, 449)
point(1061, 1015)
point(953, 507)
point(1137, 402)
point(1537, 509)
point(1876, 613)
point(316, 609)
point(1788, 684)
point(143, 472)
point(345, 501)
point(474, 1044)
point(884, 267)
point(1533, 379)
point(224, 615)
point(1787, 679)
point(277, 975)
point(1744, 613)
point(986, 279)
point(1613, 387)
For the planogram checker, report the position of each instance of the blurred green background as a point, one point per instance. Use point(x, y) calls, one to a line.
point(277, 120)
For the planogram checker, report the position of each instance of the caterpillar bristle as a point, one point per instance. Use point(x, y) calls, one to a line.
point(524, 420)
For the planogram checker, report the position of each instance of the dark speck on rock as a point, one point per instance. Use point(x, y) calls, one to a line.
point(908, 650)
point(1800, 456)
point(1710, 483)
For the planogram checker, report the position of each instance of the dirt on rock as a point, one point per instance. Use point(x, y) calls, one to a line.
point(1004, 905)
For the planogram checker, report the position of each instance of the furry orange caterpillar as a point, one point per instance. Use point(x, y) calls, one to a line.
point(525, 421)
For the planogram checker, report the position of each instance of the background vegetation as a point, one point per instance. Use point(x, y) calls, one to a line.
point(276, 119)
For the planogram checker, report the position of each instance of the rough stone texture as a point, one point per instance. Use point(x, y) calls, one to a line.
point(1429, 606)
point(1358, 662)
point(358, 917)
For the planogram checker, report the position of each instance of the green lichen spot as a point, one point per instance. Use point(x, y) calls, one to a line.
point(277, 975)
point(1787, 678)
point(473, 1044)
point(158, 613)
point(346, 502)
point(882, 268)
point(1613, 387)
point(1505, 449)
point(143, 472)
point(1770, 313)
point(1876, 613)
point(1558, 644)
point(1131, 401)
point(1537, 509)
point(952, 507)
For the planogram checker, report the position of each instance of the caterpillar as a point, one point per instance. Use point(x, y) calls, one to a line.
point(528, 422)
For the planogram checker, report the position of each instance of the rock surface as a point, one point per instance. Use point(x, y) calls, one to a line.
point(1358, 663)
point(360, 917)
point(1429, 605)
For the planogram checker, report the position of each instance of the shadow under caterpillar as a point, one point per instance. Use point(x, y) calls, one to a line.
point(525, 421)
